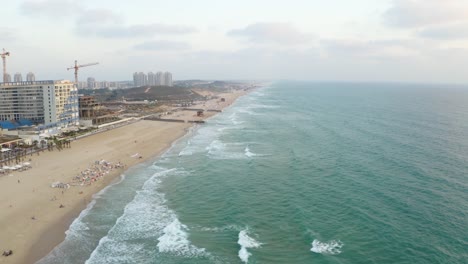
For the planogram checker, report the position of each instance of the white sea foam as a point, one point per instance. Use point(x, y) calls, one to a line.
point(253, 106)
point(227, 151)
point(248, 153)
point(186, 152)
point(215, 146)
point(248, 110)
point(245, 241)
point(175, 241)
point(329, 248)
point(78, 225)
point(233, 119)
point(221, 229)
point(146, 218)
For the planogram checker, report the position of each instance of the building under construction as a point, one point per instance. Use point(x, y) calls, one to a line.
point(89, 108)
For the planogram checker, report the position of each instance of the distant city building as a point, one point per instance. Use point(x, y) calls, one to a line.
point(160, 78)
point(103, 84)
point(91, 83)
point(7, 77)
point(30, 77)
point(52, 103)
point(18, 77)
point(168, 79)
point(151, 79)
point(82, 85)
point(140, 79)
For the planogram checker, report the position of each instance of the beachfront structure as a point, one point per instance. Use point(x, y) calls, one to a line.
point(48, 103)
point(88, 106)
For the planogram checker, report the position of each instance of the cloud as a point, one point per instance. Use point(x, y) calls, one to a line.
point(8, 34)
point(105, 23)
point(142, 30)
point(98, 16)
point(51, 8)
point(279, 33)
point(162, 45)
point(421, 13)
point(455, 31)
point(371, 49)
point(99, 22)
point(157, 28)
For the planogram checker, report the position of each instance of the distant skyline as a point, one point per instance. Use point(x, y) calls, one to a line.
point(335, 40)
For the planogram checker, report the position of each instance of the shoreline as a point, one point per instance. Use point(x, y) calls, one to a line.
point(31, 240)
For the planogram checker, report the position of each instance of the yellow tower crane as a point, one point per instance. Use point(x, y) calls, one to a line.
point(76, 67)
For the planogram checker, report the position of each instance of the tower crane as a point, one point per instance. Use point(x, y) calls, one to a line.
point(3, 55)
point(76, 67)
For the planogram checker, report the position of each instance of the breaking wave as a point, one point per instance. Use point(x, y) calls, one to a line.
point(328, 248)
point(145, 219)
point(246, 242)
point(175, 241)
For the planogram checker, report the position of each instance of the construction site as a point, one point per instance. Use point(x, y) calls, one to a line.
point(37, 110)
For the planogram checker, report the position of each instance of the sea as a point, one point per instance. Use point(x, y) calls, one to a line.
point(295, 172)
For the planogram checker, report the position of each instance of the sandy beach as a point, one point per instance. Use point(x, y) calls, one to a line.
point(34, 216)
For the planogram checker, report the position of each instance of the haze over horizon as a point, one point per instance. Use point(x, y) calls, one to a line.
point(361, 40)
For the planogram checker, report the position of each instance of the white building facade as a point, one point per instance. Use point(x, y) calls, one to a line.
point(49, 103)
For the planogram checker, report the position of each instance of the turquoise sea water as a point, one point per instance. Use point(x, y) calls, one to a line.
point(296, 173)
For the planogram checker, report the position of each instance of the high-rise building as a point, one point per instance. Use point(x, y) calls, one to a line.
point(151, 78)
point(91, 83)
point(52, 103)
point(82, 85)
point(160, 78)
point(7, 77)
point(18, 77)
point(168, 79)
point(30, 77)
point(140, 79)
point(103, 84)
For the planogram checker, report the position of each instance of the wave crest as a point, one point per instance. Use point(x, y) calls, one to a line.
point(329, 248)
point(245, 241)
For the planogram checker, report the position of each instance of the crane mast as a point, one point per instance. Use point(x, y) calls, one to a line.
point(3, 55)
point(76, 67)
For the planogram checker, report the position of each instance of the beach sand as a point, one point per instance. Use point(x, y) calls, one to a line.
point(28, 194)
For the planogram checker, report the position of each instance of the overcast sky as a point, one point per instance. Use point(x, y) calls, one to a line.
point(337, 40)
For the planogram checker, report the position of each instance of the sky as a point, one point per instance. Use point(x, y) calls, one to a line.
point(333, 40)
